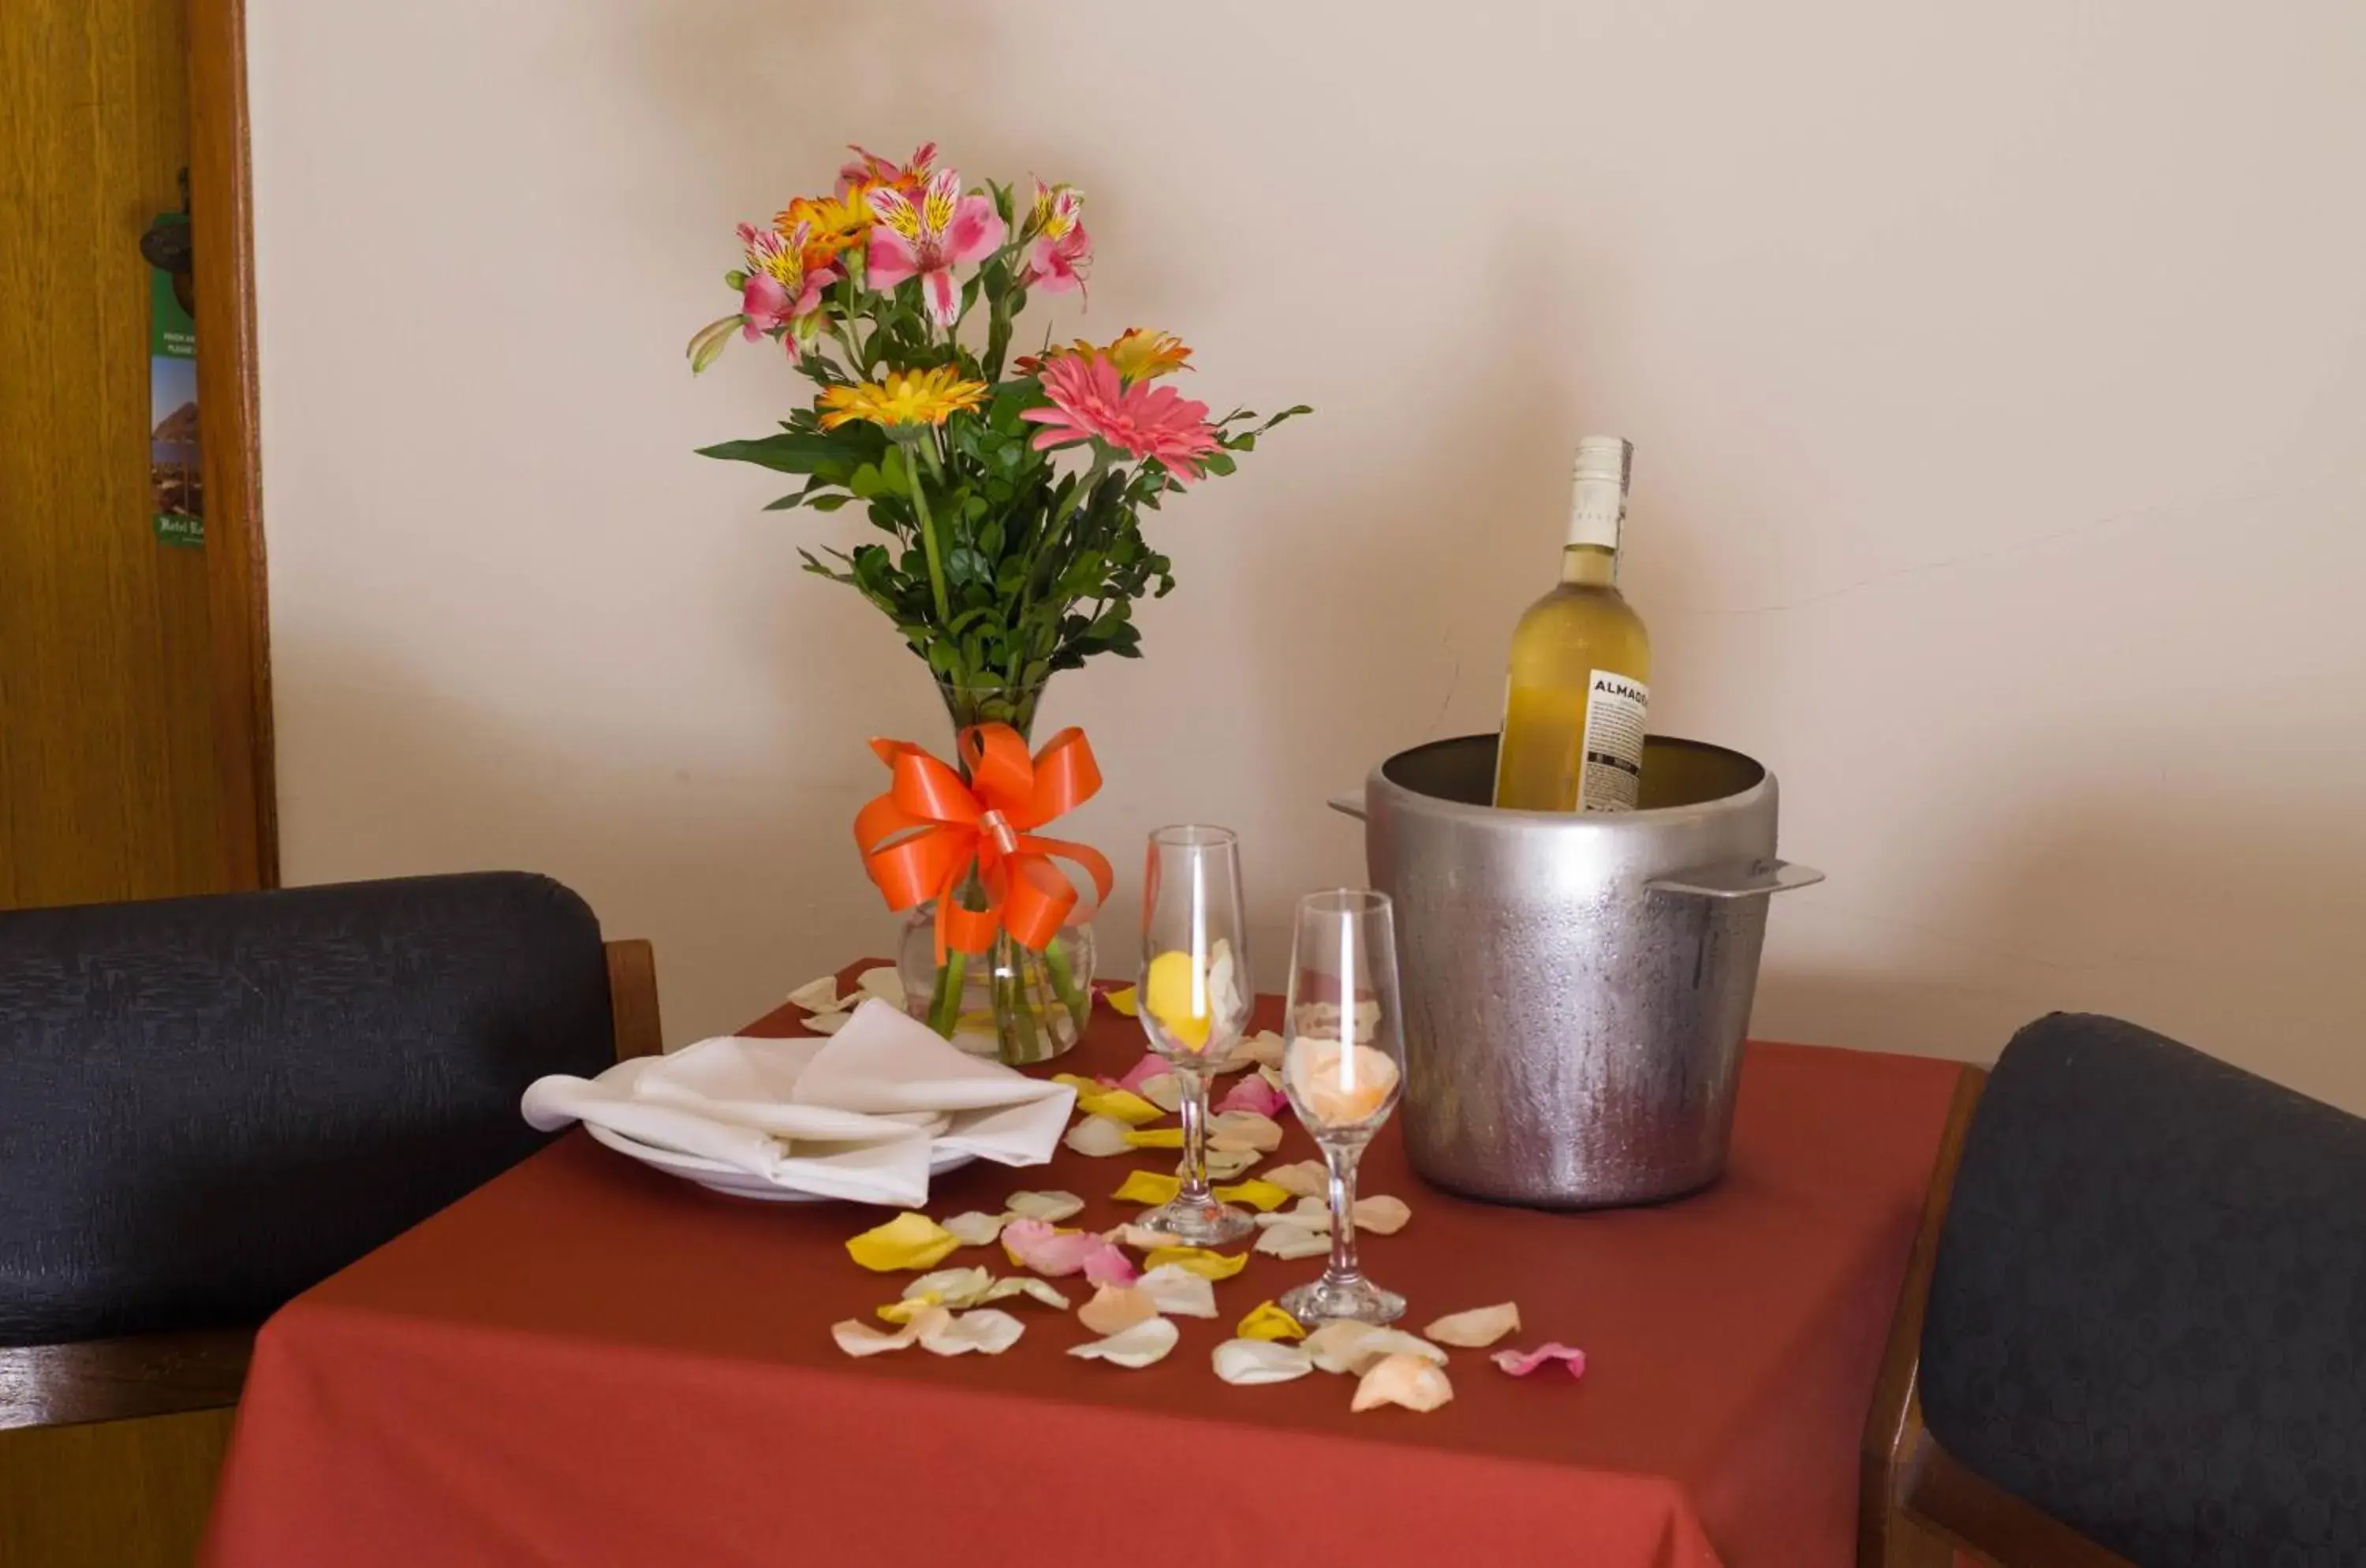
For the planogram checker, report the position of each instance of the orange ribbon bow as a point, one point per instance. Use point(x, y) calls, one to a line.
point(920, 840)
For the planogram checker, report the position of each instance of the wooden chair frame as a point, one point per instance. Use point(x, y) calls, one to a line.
point(160, 1405)
point(1916, 1504)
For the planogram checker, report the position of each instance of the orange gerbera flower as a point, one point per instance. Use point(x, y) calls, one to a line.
point(842, 220)
point(1139, 354)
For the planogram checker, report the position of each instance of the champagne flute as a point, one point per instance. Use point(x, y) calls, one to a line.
point(1341, 1065)
point(1194, 1001)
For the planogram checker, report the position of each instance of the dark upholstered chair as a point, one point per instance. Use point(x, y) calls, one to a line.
point(207, 1105)
point(2134, 1328)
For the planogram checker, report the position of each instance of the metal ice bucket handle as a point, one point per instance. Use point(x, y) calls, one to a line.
point(1730, 879)
point(1737, 879)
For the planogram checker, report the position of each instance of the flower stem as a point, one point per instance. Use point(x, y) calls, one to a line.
point(928, 533)
point(1063, 981)
point(945, 1007)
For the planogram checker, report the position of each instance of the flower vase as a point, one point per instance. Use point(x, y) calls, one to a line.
point(1019, 1004)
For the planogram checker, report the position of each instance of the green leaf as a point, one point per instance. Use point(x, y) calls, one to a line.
point(865, 481)
point(787, 502)
point(965, 566)
point(788, 453)
point(1217, 463)
point(827, 502)
point(735, 280)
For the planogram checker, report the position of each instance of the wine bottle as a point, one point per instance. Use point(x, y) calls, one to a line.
point(1581, 663)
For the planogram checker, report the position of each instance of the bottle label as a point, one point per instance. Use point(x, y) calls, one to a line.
point(1610, 758)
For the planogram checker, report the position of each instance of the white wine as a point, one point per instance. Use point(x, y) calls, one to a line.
point(1581, 665)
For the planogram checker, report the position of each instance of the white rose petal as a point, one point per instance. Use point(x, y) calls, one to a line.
point(988, 1331)
point(1244, 1130)
point(1306, 1178)
point(1052, 1206)
point(1292, 1241)
point(1174, 1289)
point(1163, 1089)
point(953, 1287)
point(1477, 1328)
point(1139, 1346)
point(1250, 1361)
point(816, 996)
point(828, 1022)
point(858, 1338)
point(1227, 1165)
point(1099, 1137)
point(885, 984)
point(1354, 1346)
point(1043, 1290)
point(1381, 1214)
point(975, 1229)
point(1409, 1381)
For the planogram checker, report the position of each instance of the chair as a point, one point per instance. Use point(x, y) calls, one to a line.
point(207, 1105)
point(2134, 1324)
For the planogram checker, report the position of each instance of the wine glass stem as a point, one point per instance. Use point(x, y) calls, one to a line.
point(1195, 1135)
point(1340, 1160)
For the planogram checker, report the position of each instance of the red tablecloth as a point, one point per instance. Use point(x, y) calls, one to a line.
point(588, 1363)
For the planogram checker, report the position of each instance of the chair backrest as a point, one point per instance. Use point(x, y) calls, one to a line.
point(2147, 1316)
point(208, 1104)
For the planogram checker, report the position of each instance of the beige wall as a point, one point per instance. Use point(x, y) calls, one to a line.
point(1998, 373)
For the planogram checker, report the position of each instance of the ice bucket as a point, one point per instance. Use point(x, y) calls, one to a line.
point(1575, 986)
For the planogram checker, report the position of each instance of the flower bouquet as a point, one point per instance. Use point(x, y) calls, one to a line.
point(1007, 493)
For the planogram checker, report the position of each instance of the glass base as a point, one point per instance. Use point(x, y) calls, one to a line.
point(1202, 1224)
point(1353, 1300)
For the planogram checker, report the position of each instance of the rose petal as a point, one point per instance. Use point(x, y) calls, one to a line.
point(1254, 1094)
point(1286, 1242)
point(1477, 1328)
point(857, 1338)
point(1333, 1088)
point(1116, 1308)
point(1259, 1195)
point(907, 1241)
point(1252, 1361)
point(1409, 1381)
point(1307, 1214)
point(989, 1331)
point(1139, 1346)
point(1142, 1238)
point(1268, 1321)
point(1094, 1100)
point(1039, 1246)
point(1346, 1347)
point(1148, 1186)
point(1520, 1363)
point(1179, 1292)
point(1225, 1164)
point(1099, 1137)
point(1123, 999)
point(1165, 1091)
point(1108, 1265)
point(1307, 1177)
point(827, 1023)
point(1382, 1215)
point(1199, 1260)
point(975, 1229)
point(883, 982)
point(1043, 1290)
point(1152, 1065)
point(1264, 1048)
point(1155, 1137)
point(953, 1287)
point(1053, 1206)
point(816, 996)
point(1244, 1130)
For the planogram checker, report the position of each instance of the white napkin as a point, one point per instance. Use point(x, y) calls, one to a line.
point(856, 1116)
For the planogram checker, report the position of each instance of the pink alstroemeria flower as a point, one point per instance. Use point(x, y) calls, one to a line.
point(1062, 251)
point(781, 290)
point(1090, 401)
point(927, 241)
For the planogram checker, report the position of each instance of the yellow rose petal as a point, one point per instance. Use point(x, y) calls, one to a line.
point(1095, 1099)
point(1263, 1196)
point(907, 1241)
point(1268, 1321)
point(1198, 1260)
point(1122, 1000)
point(1167, 992)
point(1149, 1187)
point(1155, 1137)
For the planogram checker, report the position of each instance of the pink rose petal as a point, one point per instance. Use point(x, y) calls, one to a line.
point(1253, 1093)
point(1142, 1072)
point(1520, 1363)
point(1051, 1252)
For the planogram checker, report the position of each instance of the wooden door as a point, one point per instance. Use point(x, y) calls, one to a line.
point(127, 746)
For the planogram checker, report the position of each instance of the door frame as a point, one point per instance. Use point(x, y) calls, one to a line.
point(221, 235)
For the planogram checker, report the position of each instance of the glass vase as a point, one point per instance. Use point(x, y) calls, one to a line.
point(1021, 1005)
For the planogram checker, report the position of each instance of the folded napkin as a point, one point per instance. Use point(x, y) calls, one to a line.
point(857, 1116)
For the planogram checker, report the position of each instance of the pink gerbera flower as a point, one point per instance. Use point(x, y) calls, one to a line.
point(1090, 401)
point(928, 240)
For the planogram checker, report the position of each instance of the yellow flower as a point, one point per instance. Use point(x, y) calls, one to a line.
point(838, 222)
point(907, 398)
point(1140, 355)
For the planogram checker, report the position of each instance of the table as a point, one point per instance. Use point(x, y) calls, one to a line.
point(587, 1362)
